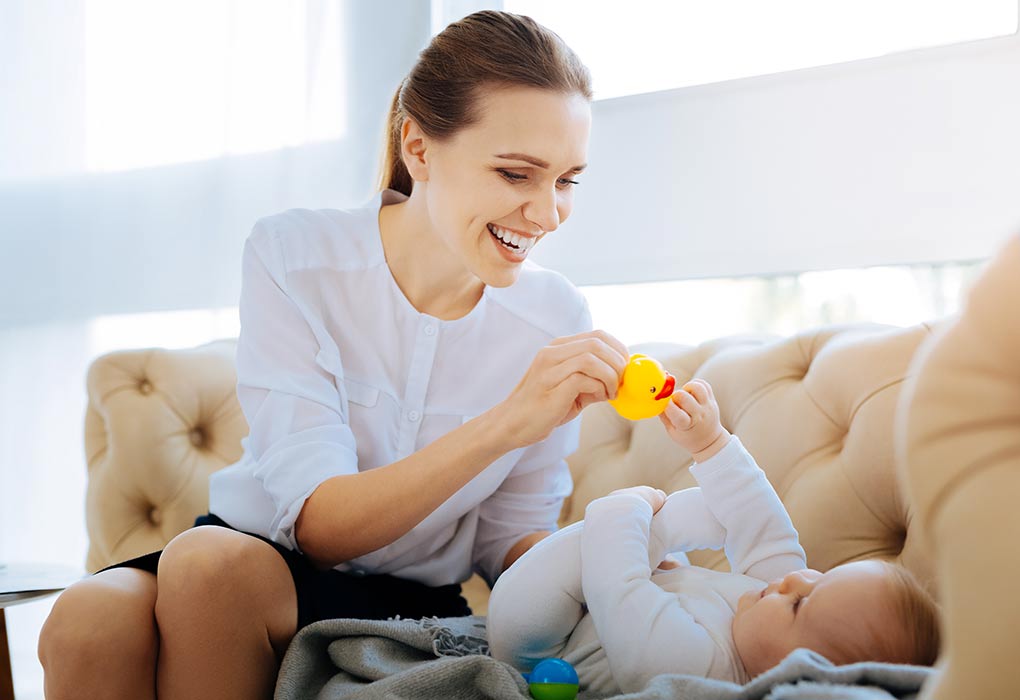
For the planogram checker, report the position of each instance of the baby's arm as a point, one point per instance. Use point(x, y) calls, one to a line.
point(644, 629)
point(760, 538)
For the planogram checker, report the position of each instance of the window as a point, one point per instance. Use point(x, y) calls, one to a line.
point(692, 311)
point(198, 79)
point(649, 45)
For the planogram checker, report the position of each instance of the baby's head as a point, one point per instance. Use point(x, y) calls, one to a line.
point(862, 611)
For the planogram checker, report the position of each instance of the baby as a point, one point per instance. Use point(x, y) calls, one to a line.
point(603, 595)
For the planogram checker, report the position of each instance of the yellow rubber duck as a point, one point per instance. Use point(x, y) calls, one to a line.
point(644, 390)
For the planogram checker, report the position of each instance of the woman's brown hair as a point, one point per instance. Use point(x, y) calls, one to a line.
point(485, 49)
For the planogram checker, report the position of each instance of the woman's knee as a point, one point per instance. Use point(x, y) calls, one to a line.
point(219, 568)
point(106, 615)
point(215, 560)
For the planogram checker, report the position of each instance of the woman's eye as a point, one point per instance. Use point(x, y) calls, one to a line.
point(513, 177)
point(563, 182)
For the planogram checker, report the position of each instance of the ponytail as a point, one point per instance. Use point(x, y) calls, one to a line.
point(392, 171)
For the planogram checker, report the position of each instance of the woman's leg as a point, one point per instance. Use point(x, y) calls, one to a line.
point(226, 610)
point(100, 639)
point(536, 603)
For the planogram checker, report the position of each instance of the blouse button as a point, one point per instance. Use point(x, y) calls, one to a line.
point(430, 330)
point(413, 416)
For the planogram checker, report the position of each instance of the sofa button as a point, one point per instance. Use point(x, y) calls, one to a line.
point(197, 437)
point(155, 517)
point(145, 387)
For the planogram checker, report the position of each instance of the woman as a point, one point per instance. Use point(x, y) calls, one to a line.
point(394, 444)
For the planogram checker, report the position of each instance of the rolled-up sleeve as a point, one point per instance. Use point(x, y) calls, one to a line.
point(529, 500)
point(298, 432)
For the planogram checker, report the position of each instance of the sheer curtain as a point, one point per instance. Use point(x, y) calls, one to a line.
point(139, 141)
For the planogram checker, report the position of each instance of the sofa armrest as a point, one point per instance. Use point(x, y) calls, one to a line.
point(158, 423)
point(959, 445)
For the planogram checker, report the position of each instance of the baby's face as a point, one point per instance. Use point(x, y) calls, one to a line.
point(846, 608)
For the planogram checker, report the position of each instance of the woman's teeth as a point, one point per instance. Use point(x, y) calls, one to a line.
point(513, 241)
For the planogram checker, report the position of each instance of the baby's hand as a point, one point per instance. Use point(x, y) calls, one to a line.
point(654, 497)
point(692, 420)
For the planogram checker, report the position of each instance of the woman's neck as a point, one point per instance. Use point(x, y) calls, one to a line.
point(429, 277)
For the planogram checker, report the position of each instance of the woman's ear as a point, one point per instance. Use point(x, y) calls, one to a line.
point(412, 150)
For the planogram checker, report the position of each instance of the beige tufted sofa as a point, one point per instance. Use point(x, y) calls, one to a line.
point(828, 413)
point(815, 409)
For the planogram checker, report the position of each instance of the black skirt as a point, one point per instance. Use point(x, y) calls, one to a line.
point(324, 595)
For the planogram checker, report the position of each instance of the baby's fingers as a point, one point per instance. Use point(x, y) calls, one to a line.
point(700, 389)
point(675, 417)
point(687, 401)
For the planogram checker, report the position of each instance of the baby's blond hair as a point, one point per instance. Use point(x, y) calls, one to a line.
point(915, 616)
point(919, 617)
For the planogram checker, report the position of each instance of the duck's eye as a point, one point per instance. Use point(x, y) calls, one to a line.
point(652, 390)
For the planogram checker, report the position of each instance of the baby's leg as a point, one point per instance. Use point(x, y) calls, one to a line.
point(536, 603)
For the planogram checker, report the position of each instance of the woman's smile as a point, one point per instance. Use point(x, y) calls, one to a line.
point(512, 245)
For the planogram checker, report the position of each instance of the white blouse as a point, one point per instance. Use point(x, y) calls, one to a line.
point(338, 373)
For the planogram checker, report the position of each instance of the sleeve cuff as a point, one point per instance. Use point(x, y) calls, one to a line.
point(733, 455)
point(290, 476)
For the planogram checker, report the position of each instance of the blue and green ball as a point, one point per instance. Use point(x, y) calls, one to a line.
point(552, 679)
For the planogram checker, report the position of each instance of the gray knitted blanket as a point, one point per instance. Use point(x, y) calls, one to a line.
point(448, 658)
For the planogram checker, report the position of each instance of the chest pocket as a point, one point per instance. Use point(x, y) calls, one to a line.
point(361, 394)
point(357, 392)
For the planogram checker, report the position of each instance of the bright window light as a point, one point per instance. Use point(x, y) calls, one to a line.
point(693, 311)
point(647, 45)
point(161, 329)
point(168, 82)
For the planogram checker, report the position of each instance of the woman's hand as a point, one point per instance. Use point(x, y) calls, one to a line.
point(565, 376)
point(692, 420)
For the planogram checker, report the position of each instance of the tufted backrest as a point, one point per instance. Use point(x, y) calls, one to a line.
point(815, 409)
point(817, 412)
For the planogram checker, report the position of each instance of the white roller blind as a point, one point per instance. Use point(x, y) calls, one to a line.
point(906, 158)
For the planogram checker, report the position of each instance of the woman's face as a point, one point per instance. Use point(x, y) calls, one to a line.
point(496, 188)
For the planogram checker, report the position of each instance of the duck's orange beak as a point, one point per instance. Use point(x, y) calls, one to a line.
point(667, 388)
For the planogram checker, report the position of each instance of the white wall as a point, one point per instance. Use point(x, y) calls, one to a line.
point(908, 158)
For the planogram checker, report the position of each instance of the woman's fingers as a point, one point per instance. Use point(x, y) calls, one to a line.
point(580, 384)
point(598, 342)
point(612, 342)
point(590, 356)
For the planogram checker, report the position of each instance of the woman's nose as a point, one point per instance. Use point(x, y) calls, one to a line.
point(542, 211)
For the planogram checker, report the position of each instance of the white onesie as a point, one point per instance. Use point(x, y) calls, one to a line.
point(590, 593)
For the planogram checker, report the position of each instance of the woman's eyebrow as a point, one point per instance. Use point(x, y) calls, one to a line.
point(536, 161)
